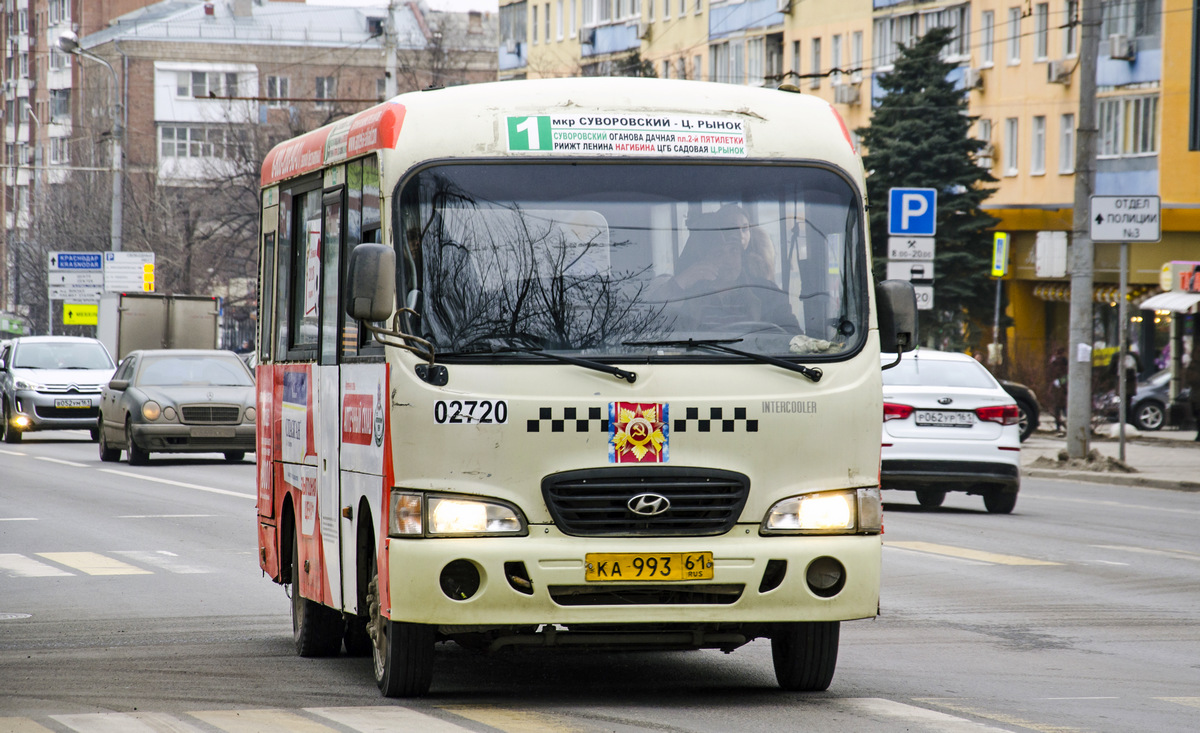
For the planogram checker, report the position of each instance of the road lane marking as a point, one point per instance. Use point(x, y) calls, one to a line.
point(180, 484)
point(164, 516)
point(93, 563)
point(260, 721)
point(22, 725)
point(512, 721)
point(1189, 701)
point(959, 707)
point(18, 519)
point(60, 461)
point(1177, 554)
point(387, 719)
point(968, 554)
point(20, 566)
point(1111, 503)
point(920, 718)
point(12, 452)
point(162, 559)
point(124, 723)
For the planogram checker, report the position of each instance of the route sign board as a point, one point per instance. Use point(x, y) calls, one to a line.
point(81, 314)
point(75, 261)
point(75, 294)
point(1126, 218)
point(911, 248)
point(912, 211)
point(76, 278)
point(129, 271)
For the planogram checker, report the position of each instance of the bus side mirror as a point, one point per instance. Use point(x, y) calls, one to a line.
point(896, 302)
point(371, 282)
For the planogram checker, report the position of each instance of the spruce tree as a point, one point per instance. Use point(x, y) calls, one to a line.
point(919, 138)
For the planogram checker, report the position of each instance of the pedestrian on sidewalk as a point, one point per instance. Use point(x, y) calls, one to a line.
point(1058, 388)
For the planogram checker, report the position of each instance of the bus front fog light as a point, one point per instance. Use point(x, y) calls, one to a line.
point(826, 577)
point(460, 580)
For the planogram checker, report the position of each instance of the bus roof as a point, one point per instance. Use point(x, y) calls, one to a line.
point(580, 117)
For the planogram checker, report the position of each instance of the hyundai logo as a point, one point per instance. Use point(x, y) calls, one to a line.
point(945, 401)
point(649, 505)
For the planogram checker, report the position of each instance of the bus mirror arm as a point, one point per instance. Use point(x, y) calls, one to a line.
point(896, 303)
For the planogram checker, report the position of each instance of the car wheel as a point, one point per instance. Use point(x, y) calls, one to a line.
point(805, 654)
point(1149, 415)
point(11, 434)
point(108, 454)
point(233, 456)
point(930, 498)
point(136, 455)
point(999, 502)
point(1026, 421)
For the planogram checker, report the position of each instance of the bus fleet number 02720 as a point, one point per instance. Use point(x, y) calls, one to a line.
point(465, 412)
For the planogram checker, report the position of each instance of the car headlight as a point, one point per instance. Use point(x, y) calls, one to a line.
point(151, 410)
point(829, 512)
point(26, 384)
point(249, 415)
point(438, 515)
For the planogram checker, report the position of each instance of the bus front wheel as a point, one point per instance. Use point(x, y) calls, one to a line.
point(402, 652)
point(805, 654)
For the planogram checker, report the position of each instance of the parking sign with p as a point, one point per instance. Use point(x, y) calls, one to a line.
point(912, 212)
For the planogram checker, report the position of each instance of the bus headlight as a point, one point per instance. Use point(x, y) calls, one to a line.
point(831, 512)
point(417, 515)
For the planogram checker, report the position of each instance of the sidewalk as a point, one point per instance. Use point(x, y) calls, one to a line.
point(1161, 459)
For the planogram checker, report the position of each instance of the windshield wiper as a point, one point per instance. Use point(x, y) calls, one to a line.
point(585, 363)
point(812, 373)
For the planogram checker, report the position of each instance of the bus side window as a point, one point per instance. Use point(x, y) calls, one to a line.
point(282, 277)
point(353, 217)
point(304, 321)
point(371, 232)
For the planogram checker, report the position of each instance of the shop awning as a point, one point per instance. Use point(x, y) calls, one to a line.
point(1176, 301)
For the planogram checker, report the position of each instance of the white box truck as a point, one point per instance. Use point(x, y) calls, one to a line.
point(131, 321)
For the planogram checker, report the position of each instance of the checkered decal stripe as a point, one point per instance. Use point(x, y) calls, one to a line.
point(715, 421)
point(578, 420)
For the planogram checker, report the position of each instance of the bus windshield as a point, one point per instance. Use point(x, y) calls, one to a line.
point(612, 261)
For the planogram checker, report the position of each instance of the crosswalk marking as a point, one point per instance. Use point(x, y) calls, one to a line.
point(967, 553)
point(961, 706)
point(512, 721)
point(261, 721)
point(93, 563)
point(125, 723)
point(22, 725)
point(20, 566)
point(162, 559)
point(920, 718)
point(383, 719)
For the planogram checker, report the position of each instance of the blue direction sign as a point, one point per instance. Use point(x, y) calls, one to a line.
point(75, 261)
point(912, 212)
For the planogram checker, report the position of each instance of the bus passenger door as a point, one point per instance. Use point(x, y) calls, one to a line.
point(328, 431)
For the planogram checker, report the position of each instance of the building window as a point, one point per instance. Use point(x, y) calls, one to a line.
point(987, 38)
point(1131, 18)
point(512, 24)
point(984, 158)
point(60, 11)
point(815, 65)
point(59, 151)
point(1010, 146)
point(547, 9)
point(856, 55)
point(574, 19)
point(681, 68)
point(1128, 127)
point(1066, 144)
point(666, 9)
point(697, 67)
point(835, 58)
point(60, 104)
point(326, 91)
point(1014, 36)
point(1070, 34)
point(1041, 31)
point(666, 69)
point(1037, 162)
point(754, 62)
point(534, 25)
point(649, 10)
point(957, 19)
point(277, 91)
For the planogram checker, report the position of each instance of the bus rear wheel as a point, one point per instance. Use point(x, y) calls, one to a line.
point(316, 629)
point(805, 654)
point(401, 653)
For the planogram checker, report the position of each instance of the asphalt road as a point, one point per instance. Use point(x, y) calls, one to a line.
point(131, 600)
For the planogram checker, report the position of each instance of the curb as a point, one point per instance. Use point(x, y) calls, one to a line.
point(1119, 479)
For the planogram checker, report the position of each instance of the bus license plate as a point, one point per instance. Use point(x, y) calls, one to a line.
point(945, 418)
point(628, 567)
point(72, 403)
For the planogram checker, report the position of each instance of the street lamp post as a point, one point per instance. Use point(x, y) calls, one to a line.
point(69, 43)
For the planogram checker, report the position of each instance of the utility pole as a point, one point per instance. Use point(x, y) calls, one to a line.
point(1079, 374)
point(389, 44)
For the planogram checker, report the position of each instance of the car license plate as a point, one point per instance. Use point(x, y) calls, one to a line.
point(212, 432)
point(945, 418)
point(627, 567)
point(72, 403)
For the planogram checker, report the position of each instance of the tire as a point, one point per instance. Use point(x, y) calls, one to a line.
point(1149, 415)
point(233, 456)
point(108, 454)
point(136, 455)
point(95, 434)
point(401, 653)
point(11, 434)
point(805, 654)
point(1026, 422)
point(999, 502)
point(316, 629)
point(355, 638)
point(930, 498)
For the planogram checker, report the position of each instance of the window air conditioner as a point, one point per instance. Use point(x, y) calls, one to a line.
point(510, 45)
point(587, 36)
point(1121, 47)
point(644, 31)
point(845, 94)
point(783, 6)
point(972, 79)
point(1059, 72)
point(987, 151)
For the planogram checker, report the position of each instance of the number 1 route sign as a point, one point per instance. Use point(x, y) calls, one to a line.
point(912, 212)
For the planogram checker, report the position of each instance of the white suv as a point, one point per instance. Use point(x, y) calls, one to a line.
point(52, 383)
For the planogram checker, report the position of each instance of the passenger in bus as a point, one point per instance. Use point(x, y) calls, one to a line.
point(726, 274)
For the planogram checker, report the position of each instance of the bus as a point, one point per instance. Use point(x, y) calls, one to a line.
point(574, 363)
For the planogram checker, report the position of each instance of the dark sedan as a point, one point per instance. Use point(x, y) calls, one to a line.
point(178, 401)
